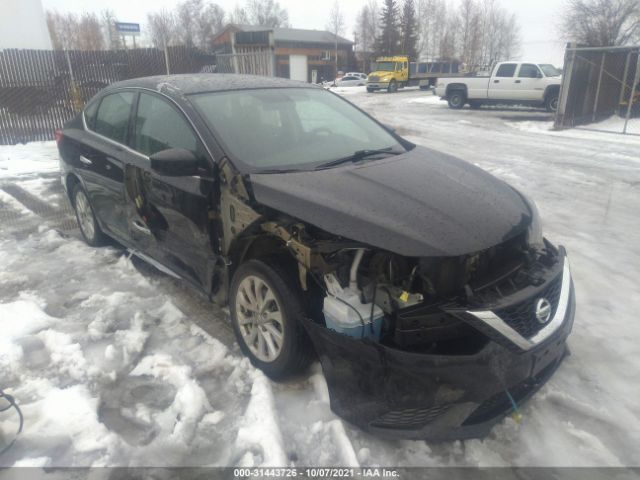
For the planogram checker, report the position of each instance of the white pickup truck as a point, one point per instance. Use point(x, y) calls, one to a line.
point(523, 83)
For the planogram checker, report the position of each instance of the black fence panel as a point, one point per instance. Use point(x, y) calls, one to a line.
point(601, 89)
point(40, 90)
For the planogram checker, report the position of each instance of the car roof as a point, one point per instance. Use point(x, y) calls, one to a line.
point(191, 83)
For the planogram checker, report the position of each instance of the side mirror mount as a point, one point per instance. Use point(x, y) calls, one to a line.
point(174, 162)
point(538, 75)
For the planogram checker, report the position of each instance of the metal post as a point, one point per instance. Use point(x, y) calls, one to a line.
point(166, 58)
point(624, 78)
point(569, 65)
point(595, 102)
point(636, 79)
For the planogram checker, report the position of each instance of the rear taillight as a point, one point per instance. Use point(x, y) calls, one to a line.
point(59, 136)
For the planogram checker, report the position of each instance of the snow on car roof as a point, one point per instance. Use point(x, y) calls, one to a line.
point(187, 84)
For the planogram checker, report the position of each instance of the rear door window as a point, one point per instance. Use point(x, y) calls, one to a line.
point(112, 119)
point(159, 126)
point(506, 70)
point(90, 114)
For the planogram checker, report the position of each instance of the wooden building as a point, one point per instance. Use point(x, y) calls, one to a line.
point(306, 55)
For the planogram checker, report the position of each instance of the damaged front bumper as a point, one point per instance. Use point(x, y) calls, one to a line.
point(405, 394)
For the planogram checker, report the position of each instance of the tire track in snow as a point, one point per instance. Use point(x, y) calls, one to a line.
point(60, 218)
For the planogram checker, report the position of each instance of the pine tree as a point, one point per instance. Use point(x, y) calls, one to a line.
point(409, 30)
point(388, 43)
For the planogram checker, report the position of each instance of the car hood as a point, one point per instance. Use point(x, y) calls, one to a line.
point(421, 203)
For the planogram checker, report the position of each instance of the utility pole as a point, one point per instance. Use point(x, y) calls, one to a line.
point(336, 59)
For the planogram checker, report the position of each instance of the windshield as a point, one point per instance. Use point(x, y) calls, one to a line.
point(550, 70)
point(289, 128)
point(385, 66)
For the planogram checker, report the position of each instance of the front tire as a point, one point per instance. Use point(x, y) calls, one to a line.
point(393, 87)
point(551, 104)
point(457, 99)
point(89, 227)
point(266, 312)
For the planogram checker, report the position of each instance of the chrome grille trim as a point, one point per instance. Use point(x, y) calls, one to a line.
point(500, 326)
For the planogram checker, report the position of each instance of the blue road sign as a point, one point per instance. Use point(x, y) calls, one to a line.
point(128, 28)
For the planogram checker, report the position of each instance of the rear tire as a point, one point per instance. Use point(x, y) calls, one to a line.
point(456, 99)
point(89, 227)
point(266, 315)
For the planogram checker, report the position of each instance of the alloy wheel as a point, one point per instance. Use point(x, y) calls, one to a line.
point(85, 215)
point(259, 318)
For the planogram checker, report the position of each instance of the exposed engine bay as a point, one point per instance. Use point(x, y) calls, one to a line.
point(406, 302)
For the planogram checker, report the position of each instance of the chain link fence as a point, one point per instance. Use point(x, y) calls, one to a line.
point(600, 89)
point(40, 90)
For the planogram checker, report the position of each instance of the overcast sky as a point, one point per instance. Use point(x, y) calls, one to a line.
point(537, 18)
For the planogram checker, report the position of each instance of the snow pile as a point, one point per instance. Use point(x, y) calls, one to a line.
point(36, 157)
point(600, 131)
point(348, 90)
point(429, 98)
point(109, 372)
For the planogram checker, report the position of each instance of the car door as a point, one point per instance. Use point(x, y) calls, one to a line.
point(529, 82)
point(501, 86)
point(169, 215)
point(102, 156)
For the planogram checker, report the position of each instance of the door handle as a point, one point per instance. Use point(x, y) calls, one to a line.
point(496, 81)
point(517, 81)
point(85, 160)
point(140, 227)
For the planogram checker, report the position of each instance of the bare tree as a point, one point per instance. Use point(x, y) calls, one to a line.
point(266, 13)
point(70, 32)
point(367, 31)
point(185, 15)
point(210, 22)
point(470, 25)
point(448, 42)
point(239, 16)
point(478, 32)
point(602, 22)
point(162, 28)
point(90, 32)
point(432, 26)
point(501, 34)
point(197, 21)
point(335, 24)
point(112, 39)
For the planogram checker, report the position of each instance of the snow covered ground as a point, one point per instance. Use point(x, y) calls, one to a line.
point(114, 363)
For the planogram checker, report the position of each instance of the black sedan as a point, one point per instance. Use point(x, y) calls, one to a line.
point(422, 283)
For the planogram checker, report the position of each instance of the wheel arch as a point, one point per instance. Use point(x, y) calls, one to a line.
point(254, 247)
point(70, 181)
point(551, 90)
point(454, 87)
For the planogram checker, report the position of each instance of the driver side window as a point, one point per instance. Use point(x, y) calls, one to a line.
point(528, 70)
point(159, 126)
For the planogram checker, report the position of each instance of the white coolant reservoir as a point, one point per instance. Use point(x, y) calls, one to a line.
point(346, 314)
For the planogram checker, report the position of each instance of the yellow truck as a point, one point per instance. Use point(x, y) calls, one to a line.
point(392, 73)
